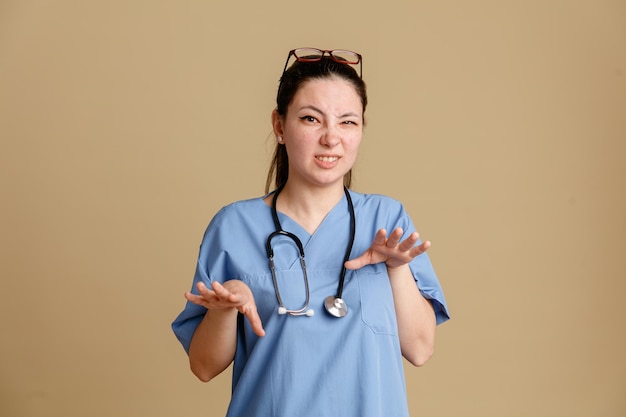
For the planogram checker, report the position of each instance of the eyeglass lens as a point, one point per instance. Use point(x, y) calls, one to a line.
point(339, 55)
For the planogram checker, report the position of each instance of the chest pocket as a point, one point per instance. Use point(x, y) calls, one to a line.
point(377, 308)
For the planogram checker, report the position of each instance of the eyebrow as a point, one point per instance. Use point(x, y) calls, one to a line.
point(310, 107)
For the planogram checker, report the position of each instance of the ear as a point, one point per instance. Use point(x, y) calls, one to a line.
point(277, 123)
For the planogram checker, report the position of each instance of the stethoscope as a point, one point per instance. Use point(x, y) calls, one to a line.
point(334, 304)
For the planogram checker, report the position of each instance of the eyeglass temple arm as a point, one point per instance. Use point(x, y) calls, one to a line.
point(292, 52)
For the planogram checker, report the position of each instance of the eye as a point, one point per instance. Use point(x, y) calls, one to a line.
point(309, 119)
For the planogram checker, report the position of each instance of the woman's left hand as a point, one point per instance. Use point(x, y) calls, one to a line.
point(390, 250)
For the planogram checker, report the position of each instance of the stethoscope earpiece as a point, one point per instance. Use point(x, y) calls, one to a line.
point(283, 310)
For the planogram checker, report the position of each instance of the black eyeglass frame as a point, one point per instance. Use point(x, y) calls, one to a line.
point(329, 53)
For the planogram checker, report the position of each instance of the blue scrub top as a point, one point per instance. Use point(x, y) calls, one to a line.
point(320, 365)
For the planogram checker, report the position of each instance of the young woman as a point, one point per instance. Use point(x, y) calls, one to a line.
point(313, 290)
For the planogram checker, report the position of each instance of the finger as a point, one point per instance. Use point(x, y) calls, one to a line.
point(418, 250)
point(229, 295)
point(394, 237)
point(380, 237)
point(255, 321)
point(196, 299)
point(204, 290)
point(409, 242)
point(221, 292)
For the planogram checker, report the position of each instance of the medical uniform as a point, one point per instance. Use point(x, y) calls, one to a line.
point(321, 365)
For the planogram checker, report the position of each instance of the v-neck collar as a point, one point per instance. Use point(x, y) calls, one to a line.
point(290, 225)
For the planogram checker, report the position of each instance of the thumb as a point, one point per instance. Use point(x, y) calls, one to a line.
point(255, 321)
point(359, 262)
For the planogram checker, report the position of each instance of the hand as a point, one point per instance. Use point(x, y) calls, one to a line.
point(390, 250)
point(231, 294)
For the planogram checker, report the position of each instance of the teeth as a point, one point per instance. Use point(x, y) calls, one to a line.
point(328, 158)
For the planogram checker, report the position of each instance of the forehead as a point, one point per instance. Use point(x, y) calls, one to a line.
point(332, 92)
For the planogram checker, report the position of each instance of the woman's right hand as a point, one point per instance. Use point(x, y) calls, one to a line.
point(231, 294)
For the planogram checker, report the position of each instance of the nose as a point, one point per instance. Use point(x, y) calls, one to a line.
point(330, 137)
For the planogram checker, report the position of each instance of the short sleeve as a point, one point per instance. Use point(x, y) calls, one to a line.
point(188, 320)
point(429, 286)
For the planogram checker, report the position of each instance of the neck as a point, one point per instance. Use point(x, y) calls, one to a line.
point(310, 200)
point(308, 207)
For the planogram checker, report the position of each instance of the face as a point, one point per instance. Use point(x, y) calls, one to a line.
point(322, 131)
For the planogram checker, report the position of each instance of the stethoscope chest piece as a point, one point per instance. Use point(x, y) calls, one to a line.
point(336, 306)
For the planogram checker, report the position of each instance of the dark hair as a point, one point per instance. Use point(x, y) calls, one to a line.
point(290, 82)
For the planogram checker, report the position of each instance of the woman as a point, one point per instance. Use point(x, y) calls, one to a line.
point(358, 255)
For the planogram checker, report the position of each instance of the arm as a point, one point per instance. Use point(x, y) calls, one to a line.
point(214, 341)
point(416, 317)
point(415, 314)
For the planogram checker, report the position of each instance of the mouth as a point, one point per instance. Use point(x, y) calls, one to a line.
point(327, 158)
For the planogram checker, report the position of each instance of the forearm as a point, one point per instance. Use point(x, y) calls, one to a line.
point(213, 344)
point(416, 317)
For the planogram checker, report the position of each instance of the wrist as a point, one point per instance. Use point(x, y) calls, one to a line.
point(217, 313)
point(392, 270)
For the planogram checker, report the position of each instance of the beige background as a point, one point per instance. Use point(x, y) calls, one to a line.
point(125, 125)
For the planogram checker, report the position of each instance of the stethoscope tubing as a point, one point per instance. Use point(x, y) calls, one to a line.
point(346, 258)
point(270, 254)
point(336, 306)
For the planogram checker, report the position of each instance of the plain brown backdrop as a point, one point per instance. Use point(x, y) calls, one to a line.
point(125, 125)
